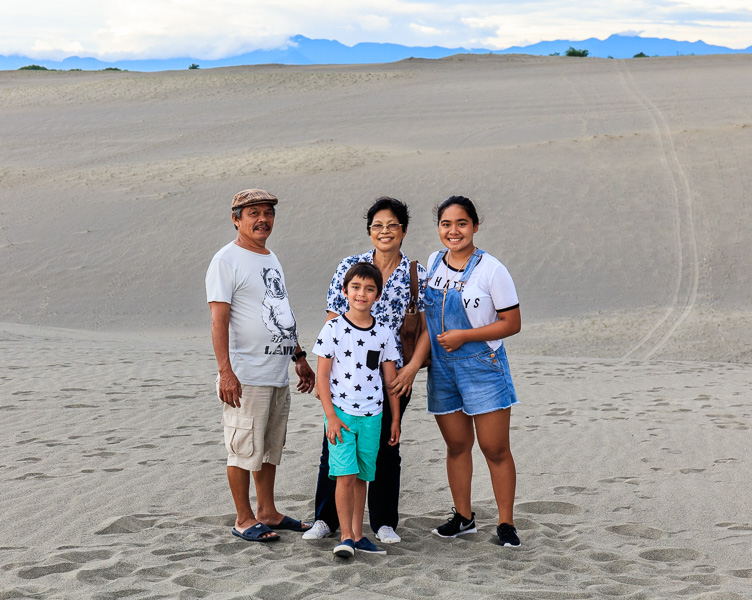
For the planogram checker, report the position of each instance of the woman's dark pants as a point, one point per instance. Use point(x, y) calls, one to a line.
point(383, 492)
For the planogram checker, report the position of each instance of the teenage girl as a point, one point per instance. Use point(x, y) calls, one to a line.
point(470, 306)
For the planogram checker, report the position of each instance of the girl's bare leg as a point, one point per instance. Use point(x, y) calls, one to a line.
point(457, 431)
point(493, 438)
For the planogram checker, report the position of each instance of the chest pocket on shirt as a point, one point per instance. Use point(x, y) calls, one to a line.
point(372, 359)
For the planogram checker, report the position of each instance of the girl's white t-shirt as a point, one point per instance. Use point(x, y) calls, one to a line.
point(488, 290)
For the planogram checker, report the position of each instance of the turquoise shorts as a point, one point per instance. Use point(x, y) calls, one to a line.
point(356, 454)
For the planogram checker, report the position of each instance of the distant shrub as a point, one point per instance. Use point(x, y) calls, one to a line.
point(75, 69)
point(33, 68)
point(112, 69)
point(194, 66)
point(640, 55)
point(555, 54)
point(609, 56)
point(575, 52)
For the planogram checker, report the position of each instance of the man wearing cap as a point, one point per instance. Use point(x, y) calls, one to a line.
point(255, 336)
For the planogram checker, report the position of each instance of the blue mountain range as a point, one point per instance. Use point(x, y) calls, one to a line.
point(304, 51)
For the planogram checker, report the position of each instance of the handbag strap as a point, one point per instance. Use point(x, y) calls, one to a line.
point(414, 281)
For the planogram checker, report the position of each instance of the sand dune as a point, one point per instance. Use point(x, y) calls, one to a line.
point(632, 483)
point(615, 191)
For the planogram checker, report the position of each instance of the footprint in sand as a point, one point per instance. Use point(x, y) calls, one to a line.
point(670, 554)
point(155, 573)
point(638, 531)
point(105, 574)
point(573, 489)
point(735, 526)
point(85, 556)
point(549, 508)
point(742, 573)
point(199, 583)
point(37, 572)
point(131, 524)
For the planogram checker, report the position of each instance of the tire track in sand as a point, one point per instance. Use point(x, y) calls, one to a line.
point(688, 266)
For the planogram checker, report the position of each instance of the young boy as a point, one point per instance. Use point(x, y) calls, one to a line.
point(351, 348)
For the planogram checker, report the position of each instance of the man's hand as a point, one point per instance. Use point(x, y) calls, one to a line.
point(306, 378)
point(230, 389)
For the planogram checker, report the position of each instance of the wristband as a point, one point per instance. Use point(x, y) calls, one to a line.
point(298, 356)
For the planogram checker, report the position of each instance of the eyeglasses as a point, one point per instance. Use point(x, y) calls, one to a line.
point(390, 227)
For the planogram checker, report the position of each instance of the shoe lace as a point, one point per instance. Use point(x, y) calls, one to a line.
point(455, 516)
point(506, 529)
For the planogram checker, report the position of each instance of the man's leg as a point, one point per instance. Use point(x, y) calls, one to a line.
point(383, 491)
point(275, 432)
point(240, 481)
point(265, 507)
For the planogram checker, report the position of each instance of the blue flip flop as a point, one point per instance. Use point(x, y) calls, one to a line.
point(290, 524)
point(254, 533)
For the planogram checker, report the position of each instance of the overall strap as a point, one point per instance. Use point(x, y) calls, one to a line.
point(437, 262)
point(474, 260)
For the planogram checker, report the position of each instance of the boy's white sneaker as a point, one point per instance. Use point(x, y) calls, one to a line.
point(387, 535)
point(319, 531)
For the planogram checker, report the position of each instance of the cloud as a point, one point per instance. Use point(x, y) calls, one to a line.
point(631, 33)
point(113, 29)
point(425, 29)
point(56, 48)
point(374, 23)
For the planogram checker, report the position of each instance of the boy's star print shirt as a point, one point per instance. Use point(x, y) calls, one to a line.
point(356, 354)
point(390, 308)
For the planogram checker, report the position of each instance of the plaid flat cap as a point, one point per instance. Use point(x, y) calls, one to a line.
point(251, 197)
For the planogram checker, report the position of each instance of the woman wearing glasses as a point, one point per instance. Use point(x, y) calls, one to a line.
point(387, 221)
point(470, 306)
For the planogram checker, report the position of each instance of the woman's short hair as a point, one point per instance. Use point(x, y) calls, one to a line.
point(465, 203)
point(398, 207)
point(365, 270)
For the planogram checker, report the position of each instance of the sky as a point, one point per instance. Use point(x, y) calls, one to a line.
point(213, 29)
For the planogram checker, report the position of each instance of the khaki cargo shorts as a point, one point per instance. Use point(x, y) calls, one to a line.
point(255, 432)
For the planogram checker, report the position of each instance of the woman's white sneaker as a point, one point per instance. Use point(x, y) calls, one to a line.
point(319, 531)
point(387, 535)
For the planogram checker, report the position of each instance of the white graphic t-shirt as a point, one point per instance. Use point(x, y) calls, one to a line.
point(263, 332)
point(355, 382)
point(488, 290)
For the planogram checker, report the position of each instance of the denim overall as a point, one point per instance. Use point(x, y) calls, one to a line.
point(473, 378)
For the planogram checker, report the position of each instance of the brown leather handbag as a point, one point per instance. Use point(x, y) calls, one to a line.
point(412, 326)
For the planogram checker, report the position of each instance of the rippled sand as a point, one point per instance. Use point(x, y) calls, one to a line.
point(617, 193)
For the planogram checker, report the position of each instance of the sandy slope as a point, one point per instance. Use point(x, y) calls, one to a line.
point(606, 185)
point(633, 482)
point(617, 193)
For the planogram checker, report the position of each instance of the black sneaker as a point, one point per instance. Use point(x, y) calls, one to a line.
point(456, 525)
point(508, 535)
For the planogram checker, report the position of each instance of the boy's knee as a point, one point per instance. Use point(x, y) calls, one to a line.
point(346, 480)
